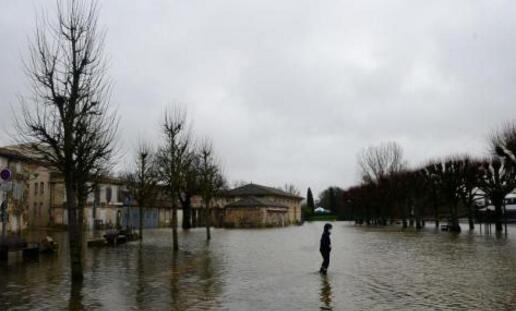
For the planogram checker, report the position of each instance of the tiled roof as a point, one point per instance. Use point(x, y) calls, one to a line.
point(22, 152)
point(259, 190)
point(255, 202)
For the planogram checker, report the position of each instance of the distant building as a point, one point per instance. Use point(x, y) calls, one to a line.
point(321, 210)
point(252, 205)
point(37, 198)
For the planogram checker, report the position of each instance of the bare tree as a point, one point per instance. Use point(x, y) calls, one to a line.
point(68, 119)
point(190, 186)
point(377, 162)
point(142, 181)
point(470, 173)
point(292, 189)
point(497, 180)
point(503, 142)
point(448, 179)
point(498, 175)
point(211, 180)
point(172, 157)
point(432, 179)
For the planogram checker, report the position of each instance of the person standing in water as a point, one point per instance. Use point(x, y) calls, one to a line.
point(325, 248)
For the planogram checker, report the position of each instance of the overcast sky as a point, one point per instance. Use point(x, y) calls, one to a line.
point(290, 91)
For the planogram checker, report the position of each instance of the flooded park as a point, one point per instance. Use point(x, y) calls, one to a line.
point(276, 269)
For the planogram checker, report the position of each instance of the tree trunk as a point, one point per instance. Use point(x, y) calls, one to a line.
point(140, 229)
point(74, 232)
point(470, 217)
point(187, 213)
point(404, 216)
point(498, 216)
point(208, 222)
point(436, 212)
point(454, 219)
point(175, 242)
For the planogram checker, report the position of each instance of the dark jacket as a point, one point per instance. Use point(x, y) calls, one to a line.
point(325, 246)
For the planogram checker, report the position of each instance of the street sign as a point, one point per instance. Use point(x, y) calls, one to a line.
point(5, 174)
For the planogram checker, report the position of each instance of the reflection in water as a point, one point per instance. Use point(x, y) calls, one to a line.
point(380, 269)
point(75, 301)
point(326, 293)
point(140, 282)
point(174, 286)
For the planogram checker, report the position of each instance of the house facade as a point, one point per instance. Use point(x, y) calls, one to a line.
point(251, 205)
point(25, 207)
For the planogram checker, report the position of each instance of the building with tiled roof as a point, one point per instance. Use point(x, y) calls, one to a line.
point(254, 205)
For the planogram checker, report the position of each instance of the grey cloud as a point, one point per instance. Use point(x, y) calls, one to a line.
point(290, 91)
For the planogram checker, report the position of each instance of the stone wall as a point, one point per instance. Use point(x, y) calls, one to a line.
point(245, 217)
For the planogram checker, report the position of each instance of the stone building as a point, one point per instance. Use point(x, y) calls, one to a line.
point(255, 212)
point(251, 205)
point(104, 206)
point(255, 205)
point(27, 192)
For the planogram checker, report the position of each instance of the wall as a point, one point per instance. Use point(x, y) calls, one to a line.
point(16, 194)
point(294, 206)
point(39, 198)
point(244, 217)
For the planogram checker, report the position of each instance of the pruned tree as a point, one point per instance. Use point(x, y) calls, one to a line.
point(190, 186)
point(503, 142)
point(448, 179)
point(431, 179)
point(211, 180)
point(497, 180)
point(498, 174)
point(142, 181)
point(67, 119)
point(171, 159)
point(470, 173)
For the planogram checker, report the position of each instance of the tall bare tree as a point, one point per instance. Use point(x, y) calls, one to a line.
point(68, 118)
point(172, 158)
point(143, 180)
point(377, 162)
point(211, 180)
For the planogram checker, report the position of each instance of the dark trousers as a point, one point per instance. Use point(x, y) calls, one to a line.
point(326, 259)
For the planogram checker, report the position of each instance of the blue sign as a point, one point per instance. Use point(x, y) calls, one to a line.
point(5, 174)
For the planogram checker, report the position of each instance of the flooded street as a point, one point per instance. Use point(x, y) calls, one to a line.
point(276, 269)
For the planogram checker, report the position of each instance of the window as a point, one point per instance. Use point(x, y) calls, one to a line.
point(108, 194)
point(35, 188)
point(97, 195)
point(41, 188)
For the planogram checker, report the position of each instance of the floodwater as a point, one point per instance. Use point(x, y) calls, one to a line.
point(276, 269)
